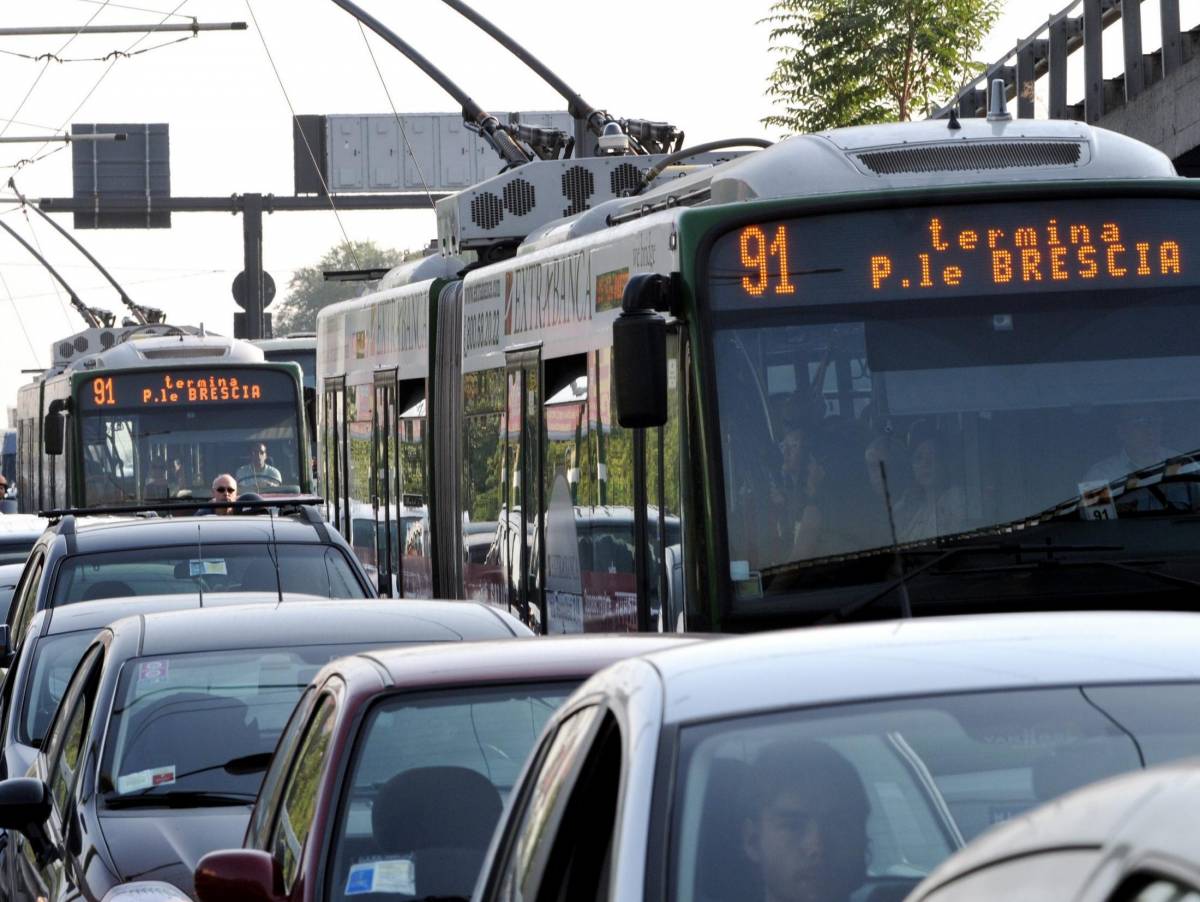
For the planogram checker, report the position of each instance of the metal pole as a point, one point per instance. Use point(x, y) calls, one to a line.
point(65, 139)
point(252, 210)
point(1131, 32)
point(1093, 56)
point(641, 570)
point(119, 29)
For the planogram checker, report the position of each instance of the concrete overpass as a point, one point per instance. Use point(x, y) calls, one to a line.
point(1155, 97)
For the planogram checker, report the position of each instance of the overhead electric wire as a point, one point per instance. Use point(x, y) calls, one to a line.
point(111, 55)
point(38, 244)
point(12, 302)
point(136, 9)
point(46, 65)
point(399, 123)
point(313, 157)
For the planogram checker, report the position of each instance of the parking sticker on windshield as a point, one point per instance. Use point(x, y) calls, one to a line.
point(388, 875)
point(210, 567)
point(153, 671)
point(146, 779)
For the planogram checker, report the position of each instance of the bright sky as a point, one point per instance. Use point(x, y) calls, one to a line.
point(230, 128)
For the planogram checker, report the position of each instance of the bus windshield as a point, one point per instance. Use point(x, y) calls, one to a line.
point(149, 436)
point(858, 422)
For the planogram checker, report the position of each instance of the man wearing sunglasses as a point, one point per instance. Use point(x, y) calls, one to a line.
point(224, 488)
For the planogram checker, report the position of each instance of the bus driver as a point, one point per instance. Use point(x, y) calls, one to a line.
point(257, 473)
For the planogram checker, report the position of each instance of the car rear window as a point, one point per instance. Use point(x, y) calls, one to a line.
point(319, 570)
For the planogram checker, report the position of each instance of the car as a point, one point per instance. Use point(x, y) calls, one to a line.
point(9, 575)
point(1127, 839)
point(843, 762)
point(157, 750)
point(53, 647)
point(87, 558)
point(18, 533)
point(418, 748)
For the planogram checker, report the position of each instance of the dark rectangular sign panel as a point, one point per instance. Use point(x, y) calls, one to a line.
point(138, 167)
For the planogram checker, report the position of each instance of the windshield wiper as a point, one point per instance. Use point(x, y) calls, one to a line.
point(182, 799)
point(1039, 556)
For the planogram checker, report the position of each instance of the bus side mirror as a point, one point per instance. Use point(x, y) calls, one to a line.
point(310, 412)
point(640, 353)
point(53, 428)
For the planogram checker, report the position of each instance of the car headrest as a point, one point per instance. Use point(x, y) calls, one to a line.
point(435, 807)
point(109, 588)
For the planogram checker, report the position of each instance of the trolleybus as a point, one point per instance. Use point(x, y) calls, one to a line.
point(145, 413)
point(935, 366)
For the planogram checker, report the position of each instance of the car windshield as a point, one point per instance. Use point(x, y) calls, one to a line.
point(429, 779)
point(318, 570)
point(54, 660)
point(154, 436)
point(861, 801)
point(202, 724)
point(979, 421)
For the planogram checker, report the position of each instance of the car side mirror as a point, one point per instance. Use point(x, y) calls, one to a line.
point(639, 358)
point(238, 875)
point(53, 428)
point(24, 805)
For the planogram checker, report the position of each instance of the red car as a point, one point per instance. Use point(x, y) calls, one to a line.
point(392, 772)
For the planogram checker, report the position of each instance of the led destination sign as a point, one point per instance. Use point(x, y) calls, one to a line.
point(191, 387)
point(928, 252)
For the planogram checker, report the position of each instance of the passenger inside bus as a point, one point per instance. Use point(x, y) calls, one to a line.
point(931, 506)
point(1138, 430)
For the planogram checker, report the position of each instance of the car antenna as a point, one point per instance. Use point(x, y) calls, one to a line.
point(200, 575)
point(273, 553)
point(905, 604)
point(489, 126)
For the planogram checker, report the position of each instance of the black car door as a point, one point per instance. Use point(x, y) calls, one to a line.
point(49, 869)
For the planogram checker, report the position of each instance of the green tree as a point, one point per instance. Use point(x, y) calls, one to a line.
point(857, 62)
point(308, 291)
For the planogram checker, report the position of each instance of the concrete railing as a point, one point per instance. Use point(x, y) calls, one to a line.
point(1080, 27)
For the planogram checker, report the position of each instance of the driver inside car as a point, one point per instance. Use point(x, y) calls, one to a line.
point(257, 473)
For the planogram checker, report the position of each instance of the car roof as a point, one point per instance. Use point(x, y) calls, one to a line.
point(21, 525)
point(549, 658)
point(10, 573)
point(836, 664)
point(92, 615)
point(314, 623)
point(1138, 812)
point(100, 534)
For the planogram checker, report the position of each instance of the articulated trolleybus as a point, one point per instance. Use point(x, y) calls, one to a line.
point(139, 414)
point(934, 366)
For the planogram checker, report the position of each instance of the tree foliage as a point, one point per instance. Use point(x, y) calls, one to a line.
point(857, 62)
point(308, 291)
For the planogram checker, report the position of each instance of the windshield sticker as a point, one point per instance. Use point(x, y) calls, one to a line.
point(153, 671)
point(207, 568)
point(389, 875)
point(1096, 501)
point(146, 779)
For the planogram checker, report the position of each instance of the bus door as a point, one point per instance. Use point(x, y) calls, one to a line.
point(384, 484)
point(523, 368)
point(337, 497)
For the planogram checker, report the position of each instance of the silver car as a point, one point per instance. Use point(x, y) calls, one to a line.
point(839, 763)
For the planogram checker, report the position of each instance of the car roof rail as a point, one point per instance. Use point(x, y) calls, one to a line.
point(66, 525)
point(313, 517)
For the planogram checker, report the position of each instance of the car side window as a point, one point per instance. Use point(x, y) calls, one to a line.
point(26, 606)
point(300, 794)
point(557, 764)
point(67, 735)
point(1154, 888)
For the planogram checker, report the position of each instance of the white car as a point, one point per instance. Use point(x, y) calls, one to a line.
point(838, 763)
